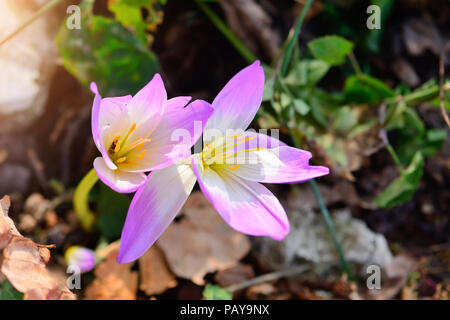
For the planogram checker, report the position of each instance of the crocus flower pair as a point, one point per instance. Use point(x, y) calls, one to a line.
point(134, 135)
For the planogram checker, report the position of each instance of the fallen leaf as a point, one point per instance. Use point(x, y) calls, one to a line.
point(113, 281)
point(233, 275)
point(201, 242)
point(24, 262)
point(7, 227)
point(260, 291)
point(155, 275)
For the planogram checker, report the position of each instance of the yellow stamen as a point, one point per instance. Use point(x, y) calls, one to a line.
point(130, 162)
point(140, 146)
point(236, 135)
point(141, 156)
point(255, 149)
point(117, 147)
point(234, 168)
point(132, 129)
point(120, 160)
point(116, 139)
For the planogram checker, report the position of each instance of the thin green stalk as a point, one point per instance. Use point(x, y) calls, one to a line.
point(326, 216)
point(395, 158)
point(81, 200)
point(223, 28)
point(45, 8)
point(355, 64)
point(291, 44)
point(418, 96)
point(330, 225)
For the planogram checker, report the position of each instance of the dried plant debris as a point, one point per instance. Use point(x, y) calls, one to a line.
point(310, 240)
point(201, 242)
point(155, 274)
point(113, 281)
point(24, 262)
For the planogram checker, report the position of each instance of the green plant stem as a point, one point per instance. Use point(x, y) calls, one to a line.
point(45, 8)
point(355, 64)
point(290, 47)
point(81, 200)
point(419, 96)
point(331, 228)
point(395, 158)
point(326, 216)
point(223, 28)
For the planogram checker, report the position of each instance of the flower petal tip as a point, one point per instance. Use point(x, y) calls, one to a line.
point(93, 87)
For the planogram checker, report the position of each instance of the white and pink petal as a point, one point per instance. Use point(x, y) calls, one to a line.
point(246, 206)
point(153, 208)
point(118, 180)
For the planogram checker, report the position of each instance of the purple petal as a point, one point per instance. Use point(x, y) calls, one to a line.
point(107, 112)
point(237, 103)
point(95, 114)
point(279, 165)
point(118, 180)
point(173, 138)
point(177, 103)
point(153, 208)
point(149, 102)
point(105, 136)
point(246, 206)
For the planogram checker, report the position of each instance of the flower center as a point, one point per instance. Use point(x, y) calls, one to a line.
point(123, 152)
point(224, 153)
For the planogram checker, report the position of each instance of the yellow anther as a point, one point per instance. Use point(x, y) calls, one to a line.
point(117, 147)
point(130, 162)
point(132, 129)
point(116, 139)
point(141, 156)
point(122, 159)
point(234, 168)
point(140, 146)
point(236, 135)
point(255, 149)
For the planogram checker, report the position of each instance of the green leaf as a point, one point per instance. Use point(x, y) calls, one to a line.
point(331, 49)
point(307, 72)
point(8, 292)
point(402, 189)
point(269, 89)
point(113, 208)
point(214, 292)
point(301, 107)
point(106, 52)
point(366, 89)
point(344, 119)
point(129, 14)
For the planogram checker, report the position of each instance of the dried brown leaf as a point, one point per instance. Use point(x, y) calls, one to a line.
point(24, 262)
point(233, 275)
point(201, 242)
point(113, 281)
point(155, 274)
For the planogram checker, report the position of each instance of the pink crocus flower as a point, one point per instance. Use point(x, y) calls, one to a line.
point(226, 176)
point(133, 134)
